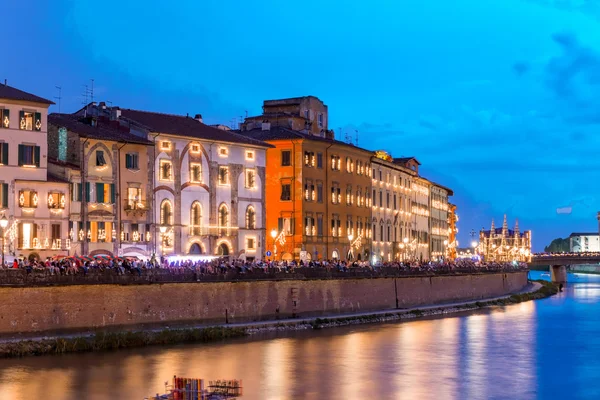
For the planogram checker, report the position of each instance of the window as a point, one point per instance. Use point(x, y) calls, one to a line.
point(309, 159)
point(166, 213)
point(286, 192)
point(336, 163)
point(380, 199)
point(286, 225)
point(28, 199)
point(135, 232)
point(380, 176)
point(195, 172)
point(4, 118)
point(196, 219)
point(336, 194)
point(223, 175)
point(56, 200)
point(319, 192)
point(134, 198)
point(319, 160)
point(29, 155)
point(105, 193)
point(100, 161)
point(387, 201)
point(195, 148)
point(349, 165)
point(3, 153)
point(250, 218)
point(375, 197)
point(223, 216)
point(320, 120)
point(309, 226)
point(320, 225)
point(336, 229)
point(165, 170)
point(223, 151)
point(4, 198)
point(29, 121)
point(132, 161)
point(286, 158)
point(250, 178)
point(55, 231)
point(249, 155)
point(250, 243)
point(165, 145)
point(349, 196)
point(395, 207)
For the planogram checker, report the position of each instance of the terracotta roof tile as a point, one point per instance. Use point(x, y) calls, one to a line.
point(103, 129)
point(186, 126)
point(9, 92)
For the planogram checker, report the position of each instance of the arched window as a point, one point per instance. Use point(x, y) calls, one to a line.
point(196, 219)
point(250, 218)
point(166, 213)
point(223, 218)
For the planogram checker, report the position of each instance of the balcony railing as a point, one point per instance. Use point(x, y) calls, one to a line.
point(135, 205)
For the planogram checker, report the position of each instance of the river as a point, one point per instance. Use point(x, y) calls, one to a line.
point(546, 349)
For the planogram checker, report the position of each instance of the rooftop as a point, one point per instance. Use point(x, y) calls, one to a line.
point(104, 130)
point(185, 126)
point(11, 93)
point(282, 133)
point(575, 234)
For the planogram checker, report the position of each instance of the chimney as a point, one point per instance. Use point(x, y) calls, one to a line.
point(198, 117)
point(102, 105)
point(5, 82)
point(266, 126)
point(115, 114)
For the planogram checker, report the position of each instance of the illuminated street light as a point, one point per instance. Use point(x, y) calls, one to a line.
point(274, 233)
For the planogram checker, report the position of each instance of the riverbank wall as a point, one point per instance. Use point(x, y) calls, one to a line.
point(84, 307)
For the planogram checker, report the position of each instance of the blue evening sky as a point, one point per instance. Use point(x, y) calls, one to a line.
point(498, 99)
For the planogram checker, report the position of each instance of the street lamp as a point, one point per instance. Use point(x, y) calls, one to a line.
point(274, 235)
point(3, 225)
point(445, 247)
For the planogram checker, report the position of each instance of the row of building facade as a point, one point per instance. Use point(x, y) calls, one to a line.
point(115, 181)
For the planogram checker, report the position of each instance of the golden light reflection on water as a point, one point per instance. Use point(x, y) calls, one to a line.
point(447, 358)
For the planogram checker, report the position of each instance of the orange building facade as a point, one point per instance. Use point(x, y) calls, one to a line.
point(318, 189)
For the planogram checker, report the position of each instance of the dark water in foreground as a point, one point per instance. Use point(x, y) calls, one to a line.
point(548, 349)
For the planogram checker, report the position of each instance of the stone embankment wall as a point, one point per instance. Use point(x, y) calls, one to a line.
point(79, 307)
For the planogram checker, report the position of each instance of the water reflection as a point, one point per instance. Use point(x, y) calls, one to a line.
point(544, 349)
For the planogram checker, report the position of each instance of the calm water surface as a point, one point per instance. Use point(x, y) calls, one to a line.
point(548, 349)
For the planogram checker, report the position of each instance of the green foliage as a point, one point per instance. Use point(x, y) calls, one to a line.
point(558, 245)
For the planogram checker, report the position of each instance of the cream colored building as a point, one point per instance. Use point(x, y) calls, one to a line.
point(34, 202)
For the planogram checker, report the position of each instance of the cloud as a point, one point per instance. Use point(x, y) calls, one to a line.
point(574, 75)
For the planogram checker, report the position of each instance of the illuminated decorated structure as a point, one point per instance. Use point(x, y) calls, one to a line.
point(451, 251)
point(33, 201)
point(504, 244)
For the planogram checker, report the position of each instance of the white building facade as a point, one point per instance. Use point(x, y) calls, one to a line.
point(584, 242)
point(209, 189)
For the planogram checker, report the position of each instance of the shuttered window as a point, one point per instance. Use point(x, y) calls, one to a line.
point(3, 153)
point(29, 155)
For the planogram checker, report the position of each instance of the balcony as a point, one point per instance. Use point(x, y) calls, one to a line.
point(135, 207)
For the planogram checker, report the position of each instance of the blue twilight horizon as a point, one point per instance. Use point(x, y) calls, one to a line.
point(499, 100)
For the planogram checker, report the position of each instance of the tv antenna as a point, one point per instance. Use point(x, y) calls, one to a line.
point(59, 97)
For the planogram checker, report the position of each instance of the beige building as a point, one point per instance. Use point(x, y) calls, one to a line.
point(109, 174)
point(392, 218)
point(34, 201)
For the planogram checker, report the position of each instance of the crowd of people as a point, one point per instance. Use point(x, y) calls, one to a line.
point(123, 266)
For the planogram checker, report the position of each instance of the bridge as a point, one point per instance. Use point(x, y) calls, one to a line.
point(558, 262)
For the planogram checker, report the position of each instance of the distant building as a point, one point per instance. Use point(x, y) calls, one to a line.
point(503, 244)
point(584, 242)
point(452, 231)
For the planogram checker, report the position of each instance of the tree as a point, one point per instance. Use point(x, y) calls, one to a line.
point(558, 245)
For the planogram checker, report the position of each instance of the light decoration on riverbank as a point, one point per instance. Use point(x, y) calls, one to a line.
point(505, 245)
